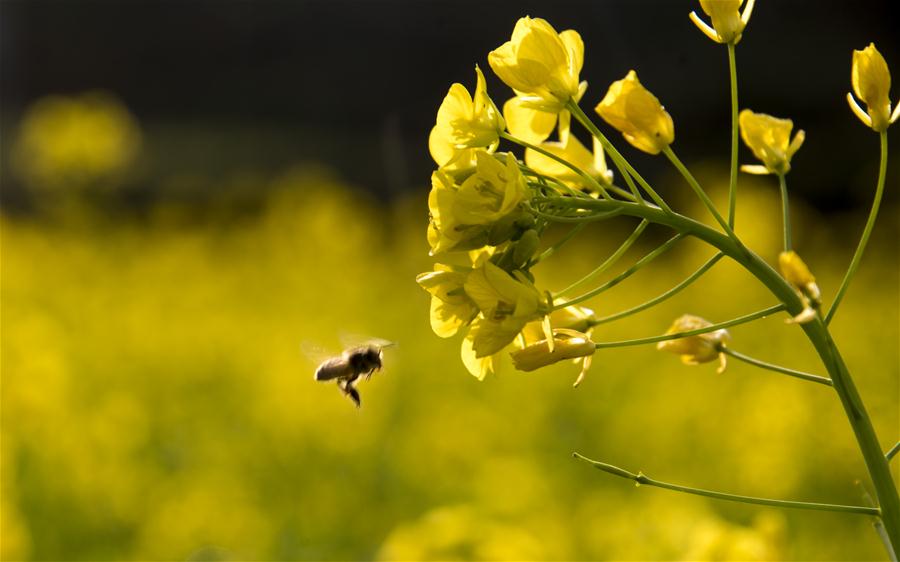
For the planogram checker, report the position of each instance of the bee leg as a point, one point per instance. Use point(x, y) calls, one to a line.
point(347, 388)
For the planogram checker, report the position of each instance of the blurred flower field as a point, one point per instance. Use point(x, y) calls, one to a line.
point(156, 404)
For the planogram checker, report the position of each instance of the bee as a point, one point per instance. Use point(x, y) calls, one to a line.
point(351, 364)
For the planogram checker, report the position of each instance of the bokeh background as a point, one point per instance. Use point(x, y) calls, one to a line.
point(192, 190)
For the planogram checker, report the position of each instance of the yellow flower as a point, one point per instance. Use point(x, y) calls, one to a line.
point(769, 139)
point(468, 216)
point(795, 272)
point(697, 349)
point(872, 83)
point(507, 303)
point(465, 122)
point(574, 317)
point(451, 308)
point(728, 22)
point(567, 344)
point(541, 65)
point(575, 153)
point(637, 114)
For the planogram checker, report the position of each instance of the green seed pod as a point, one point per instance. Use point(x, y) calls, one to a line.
point(525, 247)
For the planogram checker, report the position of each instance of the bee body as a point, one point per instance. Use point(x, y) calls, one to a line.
point(346, 368)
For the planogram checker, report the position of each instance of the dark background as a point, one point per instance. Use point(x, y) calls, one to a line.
point(225, 88)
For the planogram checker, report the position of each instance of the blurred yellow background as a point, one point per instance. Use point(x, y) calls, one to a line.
point(156, 404)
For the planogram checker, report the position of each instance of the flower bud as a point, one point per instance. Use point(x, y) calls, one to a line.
point(871, 81)
point(567, 344)
point(701, 348)
point(637, 114)
point(795, 272)
point(525, 247)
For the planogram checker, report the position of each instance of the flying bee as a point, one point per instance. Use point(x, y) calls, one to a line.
point(352, 363)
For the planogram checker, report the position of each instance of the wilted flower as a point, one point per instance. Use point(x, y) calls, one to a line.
point(576, 154)
point(871, 81)
point(541, 65)
point(770, 140)
point(795, 272)
point(728, 22)
point(701, 348)
point(567, 344)
point(637, 114)
point(451, 308)
point(465, 122)
point(479, 212)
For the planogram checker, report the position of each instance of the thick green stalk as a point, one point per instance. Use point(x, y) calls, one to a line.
point(732, 178)
point(864, 240)
point(641, 478)
point(816, 331)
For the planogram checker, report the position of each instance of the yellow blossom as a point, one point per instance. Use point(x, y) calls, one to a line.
point(696, 349)
point(507, 303)
point(568, 344)
point(795, 272)
point(728, 22)
point(871, 81)
point(637, 114)
point(576, 154)
point(465, 122)
point(770, 140)
point(541, 65)
point(451, 308)
point(468, 216)
point(574, 317)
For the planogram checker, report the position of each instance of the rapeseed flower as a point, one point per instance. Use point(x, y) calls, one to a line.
point(465, 122)
point(571, 150)
point(795, 272)
point(770, 140)
point(697, 349)
point(871, 81)
point(541, 65)
point(637, 114)
point(477, 212)
point(451, 308)
point(728, 22)
point(567, 344)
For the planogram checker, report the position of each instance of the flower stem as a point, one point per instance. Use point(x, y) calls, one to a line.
point(711, 328)
point(641, 478)
point(867, 231)
point(621, 163)
point(560, 243)
point(587, 177)
point(777, 368)
point(611, 259)
point(732, 179)
point(699, 191)
point(622, 276)
point(668, 294)
point(785, 213)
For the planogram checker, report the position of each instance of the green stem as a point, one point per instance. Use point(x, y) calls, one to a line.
point(668, 294)
point(576, 218)
point(732, 179)
point(817, 333)
point(560, 243)
point(890, 454)
point(711, 328)
point(785, 213)
point(641, 478)
point(670, 154)
point(867, 231)
point(587, 177)
point(777, 368)
point(611, 259)
point(625, 169)
point(622, 276)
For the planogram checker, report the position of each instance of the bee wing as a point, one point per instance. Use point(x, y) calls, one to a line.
point(349, 341)
point(316, 353)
